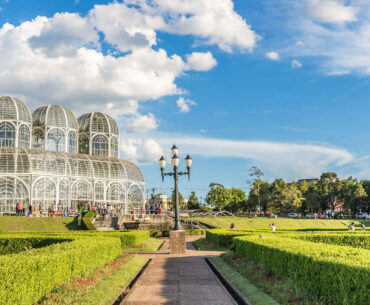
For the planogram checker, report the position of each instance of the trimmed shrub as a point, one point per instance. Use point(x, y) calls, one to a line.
point(196, 232)
point(339, 274)
point(223, 237)
point(155, 233)
point(86, 220)
point(10, 244)
point(28, 276)
point(352, 240)
point(132, 238)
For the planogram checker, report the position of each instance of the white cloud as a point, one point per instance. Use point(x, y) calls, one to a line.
point(272, 55)
point(200, 61)
point(60, 59)
point(289, 160)
point(184, 104)
point(338, 48)
point(330, 11)
point(214, 21)
point(140, 123)
point(296, 64)
point(141, 151)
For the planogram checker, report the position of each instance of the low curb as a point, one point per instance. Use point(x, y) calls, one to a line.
point(241, 300)
point(125, 291)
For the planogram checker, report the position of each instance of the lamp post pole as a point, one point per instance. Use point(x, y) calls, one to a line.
point(175, 163)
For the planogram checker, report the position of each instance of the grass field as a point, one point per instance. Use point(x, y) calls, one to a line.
point(37, 224)
point(280, 223)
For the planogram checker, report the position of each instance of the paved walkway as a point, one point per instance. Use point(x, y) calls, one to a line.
point(178, 280)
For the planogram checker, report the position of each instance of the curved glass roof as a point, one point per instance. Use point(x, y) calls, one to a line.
point(31, 161)
point(97, 122)
point(13, 108)
point(54, 116)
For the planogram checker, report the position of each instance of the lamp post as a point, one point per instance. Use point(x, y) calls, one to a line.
point(175, 164)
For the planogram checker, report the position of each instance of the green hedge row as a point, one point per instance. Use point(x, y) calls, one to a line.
point(352, 240)
point(26, 277)
point(86, 220)
point(339, 274)
point(224, 237)
point(10, 244)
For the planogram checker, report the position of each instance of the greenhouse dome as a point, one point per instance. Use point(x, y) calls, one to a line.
point(53, 175)
point(98, 135)
point(55, 128)
point(15, 123)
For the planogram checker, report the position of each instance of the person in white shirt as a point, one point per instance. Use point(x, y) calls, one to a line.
point(272, 226)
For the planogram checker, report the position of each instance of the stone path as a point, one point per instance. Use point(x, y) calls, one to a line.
point(178, 280)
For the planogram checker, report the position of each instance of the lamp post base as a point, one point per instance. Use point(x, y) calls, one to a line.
point(177, 242)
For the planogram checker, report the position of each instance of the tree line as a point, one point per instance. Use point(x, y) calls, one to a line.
point(328, 192)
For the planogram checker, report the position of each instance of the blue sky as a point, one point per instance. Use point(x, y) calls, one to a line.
point(283, 85)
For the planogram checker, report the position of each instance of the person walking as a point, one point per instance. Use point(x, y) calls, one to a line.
point(273, 228)
point(30, 210)
point(351, 227)
point(20, 208)
point(363, 228)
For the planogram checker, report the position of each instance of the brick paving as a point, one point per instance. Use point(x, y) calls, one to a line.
point(178, 280)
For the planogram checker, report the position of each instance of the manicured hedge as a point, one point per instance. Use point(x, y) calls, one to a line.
point(223, 237)
point(131, 238)
point(339, 274)
point(86, 220)
point(352, 240)
point(10, 244)
point(196, 232)
point(27, 276)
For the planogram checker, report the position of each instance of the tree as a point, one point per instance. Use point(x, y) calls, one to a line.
point(193, 202)
point(352, 194)
point(254, 171)
point(328, 190)
point(264, 196)
point(219, 196)
point(292, 197)
point(311, 198)
point(237, 202)
point(181, 200)
point(278, 193)
point(365, 202)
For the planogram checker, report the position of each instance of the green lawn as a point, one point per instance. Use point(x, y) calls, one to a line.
point(99, 287)
point(280, 223)
point(152, 244)
point(253, 294)
point(37, 224)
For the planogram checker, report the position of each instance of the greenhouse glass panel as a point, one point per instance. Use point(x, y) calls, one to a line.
point(135, 198)
point(72, 142)
point(99, 191)
point(84, 145)
point(114, 147)
point(56, 140)
point(7, 134)
point(82, 190)
point(24, 136)
point(100, 146)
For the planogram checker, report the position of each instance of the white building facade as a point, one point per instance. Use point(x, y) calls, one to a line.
point(52, 159)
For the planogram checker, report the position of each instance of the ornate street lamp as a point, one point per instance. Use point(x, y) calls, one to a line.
point(175, 164)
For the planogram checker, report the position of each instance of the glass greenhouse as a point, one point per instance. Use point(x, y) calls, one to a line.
point(45, 169)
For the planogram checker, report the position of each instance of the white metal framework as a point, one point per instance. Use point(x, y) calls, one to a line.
point(52, 174)
point(54, 128)
point(98, 135)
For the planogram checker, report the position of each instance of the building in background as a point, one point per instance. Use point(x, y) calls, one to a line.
point(52, 160)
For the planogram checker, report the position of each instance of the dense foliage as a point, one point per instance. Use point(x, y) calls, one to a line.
point(328, 271)
point(10, 244)
point(54, 259)
point(314, 195)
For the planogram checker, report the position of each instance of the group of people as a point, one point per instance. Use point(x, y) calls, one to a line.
point(351, 227)
point(40, 210)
